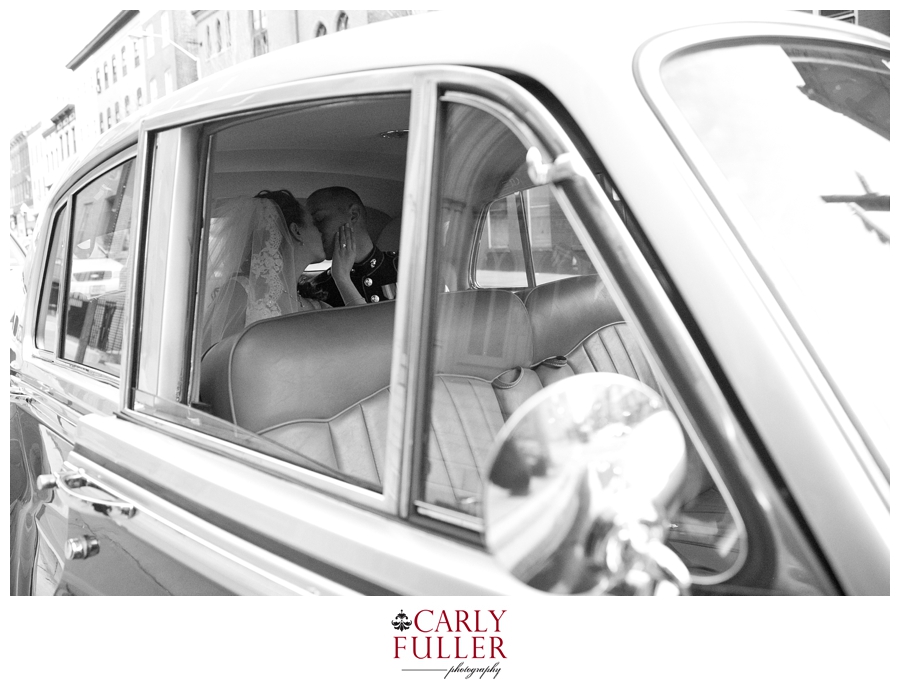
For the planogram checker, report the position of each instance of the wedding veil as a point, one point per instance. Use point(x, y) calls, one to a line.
point(251, 272)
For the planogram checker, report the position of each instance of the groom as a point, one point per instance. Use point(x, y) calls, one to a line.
point(374, 272)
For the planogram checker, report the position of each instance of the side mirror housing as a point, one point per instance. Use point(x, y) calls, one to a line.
point(584, 477)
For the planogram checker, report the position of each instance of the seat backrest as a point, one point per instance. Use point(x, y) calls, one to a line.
point(483, 353)
point(577, 319)
point(376, 222)
point(318, 382)
point(295, 378)
point(389, 237)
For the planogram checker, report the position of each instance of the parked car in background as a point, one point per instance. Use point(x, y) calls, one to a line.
point(619, 359)
point(17, 253)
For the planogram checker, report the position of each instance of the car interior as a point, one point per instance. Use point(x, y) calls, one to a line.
point(519, 306)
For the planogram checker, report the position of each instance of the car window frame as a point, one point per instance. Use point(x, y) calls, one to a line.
point(66, 203)
point(58, 239)
point(700, 404)
point(523, 223)
point(245, 106)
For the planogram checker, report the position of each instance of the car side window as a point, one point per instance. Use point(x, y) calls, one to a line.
point(282, 364)
point(494, 348)
point(535, 214)
point(99, 262)
point(500, 260)
point(47, 334)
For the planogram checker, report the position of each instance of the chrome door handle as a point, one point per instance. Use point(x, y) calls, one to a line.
point(69, 482)
point(18, 392)
point(81, 547)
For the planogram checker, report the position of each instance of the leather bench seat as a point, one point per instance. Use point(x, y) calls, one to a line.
point(316, 382)
point(482, 374)
point(576, 319)
point(577, 328)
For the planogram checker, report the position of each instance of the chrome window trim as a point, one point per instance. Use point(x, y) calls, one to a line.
point(33, 295)
point(382, 82)
point(201, 245)
point(472, 271)
point(537, 127)
point(68, 198)
point(90, 372)
point(448, 516)
point(69, 387)
point(162, 371)
point(370, 500)
point(648, 63)
point(413, 318)
point(134, 304)
point(523, 212)
point(373, 82)
point(523, 221)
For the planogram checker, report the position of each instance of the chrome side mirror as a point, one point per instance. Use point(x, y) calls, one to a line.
point(583, 479)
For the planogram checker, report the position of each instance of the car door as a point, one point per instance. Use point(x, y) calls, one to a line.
point(69, 368)
point(201, 504)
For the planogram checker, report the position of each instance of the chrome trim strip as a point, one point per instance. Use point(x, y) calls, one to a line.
point(133, 305)
point(96, 374)
point(413, 316)
point(218, 555)
point(374, 82)
point(176, 333)
point(201, 245)
point(448, 516)
point(477, 237)
point(647, 68)
point(40, 269)
point(371, 500)
point(523, 212)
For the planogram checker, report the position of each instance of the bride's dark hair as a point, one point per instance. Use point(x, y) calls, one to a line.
point(290, 207)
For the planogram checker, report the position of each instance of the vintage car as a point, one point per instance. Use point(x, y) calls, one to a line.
point(638, 344)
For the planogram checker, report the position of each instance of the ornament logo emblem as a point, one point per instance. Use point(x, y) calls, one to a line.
point(401, 622)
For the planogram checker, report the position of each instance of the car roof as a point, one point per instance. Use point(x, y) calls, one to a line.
point(540, 45)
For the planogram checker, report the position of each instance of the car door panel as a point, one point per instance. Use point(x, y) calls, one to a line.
point(257, 533)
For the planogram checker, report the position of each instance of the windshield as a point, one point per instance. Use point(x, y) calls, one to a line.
point(802, 135)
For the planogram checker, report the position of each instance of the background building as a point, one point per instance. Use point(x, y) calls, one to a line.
point(20, 202)
point(170, 47)
point(110, 77)
point(139, 57)
point(877, 20)
point(60, 143)
point(227, 37)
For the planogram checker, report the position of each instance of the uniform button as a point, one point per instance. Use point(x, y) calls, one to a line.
point(367, 281)
point(373, 263)
point(374, 298)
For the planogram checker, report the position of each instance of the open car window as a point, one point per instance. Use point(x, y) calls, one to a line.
point(278, 368)
point(508, 333)
point(526, 239)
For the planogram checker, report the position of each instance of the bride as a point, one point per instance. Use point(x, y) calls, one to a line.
point(258, 249)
